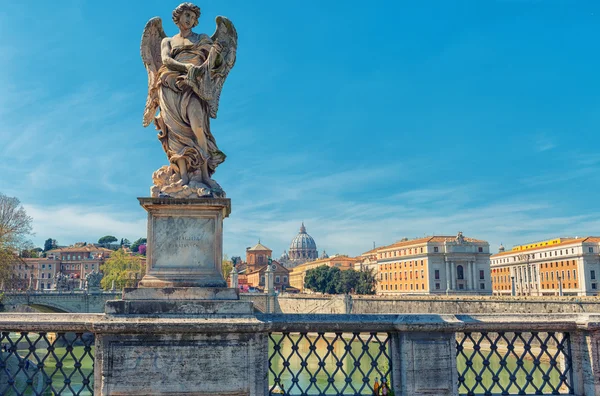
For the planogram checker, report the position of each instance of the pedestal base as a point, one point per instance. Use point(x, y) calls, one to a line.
point(229, 364)
point(181, 301)
point(185, 242)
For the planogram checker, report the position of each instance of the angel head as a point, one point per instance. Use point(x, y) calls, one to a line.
point(186, 15)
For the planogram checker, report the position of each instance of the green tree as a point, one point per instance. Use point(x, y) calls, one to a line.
point(332, 280)
point(50, 244)
point(125, 242)
point(348, 281)
point(107, 240)
point(135, 246)
point(226, 267)
point(367, 282)
point(123, 269)
point(322, 279)
point(15, 227)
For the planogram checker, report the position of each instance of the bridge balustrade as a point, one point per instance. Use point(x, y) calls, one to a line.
point(315, 355)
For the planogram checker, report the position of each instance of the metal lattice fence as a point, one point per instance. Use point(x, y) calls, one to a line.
point(314, 364)
point(514, 363)
point(46, 363)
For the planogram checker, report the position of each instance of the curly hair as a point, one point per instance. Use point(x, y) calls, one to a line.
point(183, 7)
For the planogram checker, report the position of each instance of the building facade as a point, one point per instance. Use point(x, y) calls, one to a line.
point(298, 273)
point(33, 274)
point(79, 260)
point(281, 277)
point(257, 257)
point(560, 266)
point(434, 265)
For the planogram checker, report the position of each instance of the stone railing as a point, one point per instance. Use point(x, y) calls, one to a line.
point(301, 354)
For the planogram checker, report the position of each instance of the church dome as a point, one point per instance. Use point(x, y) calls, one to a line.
point(303, 246)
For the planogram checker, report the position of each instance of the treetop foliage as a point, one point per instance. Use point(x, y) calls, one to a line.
point(332, 280)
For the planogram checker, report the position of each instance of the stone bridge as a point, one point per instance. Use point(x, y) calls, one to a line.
point(75, 302)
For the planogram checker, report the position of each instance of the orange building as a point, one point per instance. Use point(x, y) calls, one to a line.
point(567, 266)
point(257, 256)
point(434, 265)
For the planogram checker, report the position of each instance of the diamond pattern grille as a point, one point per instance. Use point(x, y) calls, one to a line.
point(314, 364)
point(514, 363)
point(46, 363)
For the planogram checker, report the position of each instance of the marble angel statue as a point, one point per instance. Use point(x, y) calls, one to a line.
point(186, 73)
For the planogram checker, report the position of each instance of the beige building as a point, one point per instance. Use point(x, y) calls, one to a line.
point(280, 277)
point(567, 266)
point(298, 273)
point(78, 261)
point(434, 265)
point(33, 273)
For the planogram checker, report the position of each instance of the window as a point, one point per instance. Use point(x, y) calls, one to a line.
point(49, 266)
point(277, 279)
point(48, 285)
point(481, 274)
point(594, 286)
point(460, 272)
point(591, 249)
point(43, 275)
point(262, 280)
point(435, 249)
point(437, 274)
point(285, 279)
point(43, 266)
point(480, 249)
point(421, 250)
point(593, 274)
point(461, 286)
point(574, 274)
point(437, 286)
point(482, 286)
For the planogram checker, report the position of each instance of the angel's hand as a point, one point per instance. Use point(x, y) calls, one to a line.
point(218, 47)
point(189, 66)
point(181, 82)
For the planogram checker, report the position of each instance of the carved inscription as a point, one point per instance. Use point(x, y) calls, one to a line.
point(183, 242)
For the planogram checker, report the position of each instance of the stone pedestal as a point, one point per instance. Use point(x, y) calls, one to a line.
point(185, 242)
point(183, 284)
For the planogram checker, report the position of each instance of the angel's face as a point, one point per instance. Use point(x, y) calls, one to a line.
point(188, 19)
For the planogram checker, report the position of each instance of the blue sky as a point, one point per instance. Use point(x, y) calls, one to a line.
point(369, 121)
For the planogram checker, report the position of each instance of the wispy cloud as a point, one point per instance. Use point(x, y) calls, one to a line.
point(543, 142)
point(69, 224)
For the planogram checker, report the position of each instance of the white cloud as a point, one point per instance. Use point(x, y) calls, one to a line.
point(69, 224)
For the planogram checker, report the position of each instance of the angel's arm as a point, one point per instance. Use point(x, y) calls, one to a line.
point(165, 53)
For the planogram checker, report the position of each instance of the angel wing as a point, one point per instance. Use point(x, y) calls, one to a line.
point(226, 36)
point(150, 51)
point(207, 80)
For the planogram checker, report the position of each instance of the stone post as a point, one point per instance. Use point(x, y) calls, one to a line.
point(560, 287)
point(447, 277)
point(424, 364)
point(475, 275)
point(112, 286)
point(512, 286)
point(585, 356)
point(234, 278)
point(269, 274)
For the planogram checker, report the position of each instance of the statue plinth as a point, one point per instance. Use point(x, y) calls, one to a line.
point(185, 242)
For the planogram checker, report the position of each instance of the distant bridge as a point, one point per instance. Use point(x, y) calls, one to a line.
point(73, 302)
